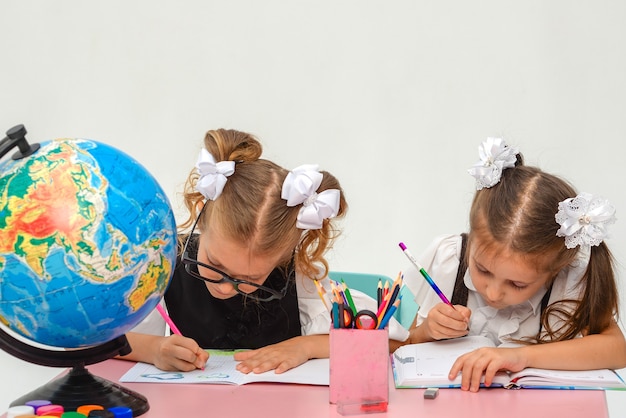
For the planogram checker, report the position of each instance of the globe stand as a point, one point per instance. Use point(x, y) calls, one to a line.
point(80, 387)
point(16, 137)
point(77, 387)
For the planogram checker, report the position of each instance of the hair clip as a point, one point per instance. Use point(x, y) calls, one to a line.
point(300, 187)
point(495, 156)
point(212, 175)
point(584, 220)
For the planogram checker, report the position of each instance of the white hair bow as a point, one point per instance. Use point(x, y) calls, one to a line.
point(584, 220)
point(212, 176)
point(300, 186)
point(495, 156)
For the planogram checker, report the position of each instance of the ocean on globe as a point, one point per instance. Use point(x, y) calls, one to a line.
point(87, 243)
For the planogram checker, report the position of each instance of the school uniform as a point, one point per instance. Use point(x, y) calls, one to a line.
point(442, 259)
point(236, 322)
point(239, 322)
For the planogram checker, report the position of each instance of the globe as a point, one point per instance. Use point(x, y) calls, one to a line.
point(87, 248)
point(87, 243)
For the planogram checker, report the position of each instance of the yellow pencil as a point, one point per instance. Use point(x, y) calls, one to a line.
point(321, 292)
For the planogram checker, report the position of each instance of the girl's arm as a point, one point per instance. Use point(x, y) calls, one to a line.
point(606, 350)
point(597, 351)
point(442, 322)
point(284, 355)
point(167, 353)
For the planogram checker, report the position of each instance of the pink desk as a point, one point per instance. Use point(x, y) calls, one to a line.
point(293, 401)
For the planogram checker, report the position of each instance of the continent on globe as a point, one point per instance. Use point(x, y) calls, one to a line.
point(87, 243)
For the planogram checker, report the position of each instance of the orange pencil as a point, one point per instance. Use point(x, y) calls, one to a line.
point(389, 313)
point(336, 292)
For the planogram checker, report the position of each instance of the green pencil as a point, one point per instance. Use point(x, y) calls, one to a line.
point(346, 291)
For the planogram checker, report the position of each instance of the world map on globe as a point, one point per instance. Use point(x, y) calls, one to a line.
point(87, 243)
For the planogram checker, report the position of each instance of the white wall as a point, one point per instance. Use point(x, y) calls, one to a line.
point(391, 96)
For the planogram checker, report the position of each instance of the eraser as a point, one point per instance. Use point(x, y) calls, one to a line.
point(431, 393)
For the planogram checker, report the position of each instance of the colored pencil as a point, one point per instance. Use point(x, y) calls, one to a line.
point(321, 292)
point(426, 276)
point(167, 319)
point(381, 309)
point(346, 292)
point(336, 320)
point(385, 289)
point(392, 310)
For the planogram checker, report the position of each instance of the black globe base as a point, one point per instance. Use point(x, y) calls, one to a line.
point(80, 387)
point(77, 387)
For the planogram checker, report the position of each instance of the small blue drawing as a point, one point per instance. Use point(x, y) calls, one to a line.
point(164, 376)
point(216, 375)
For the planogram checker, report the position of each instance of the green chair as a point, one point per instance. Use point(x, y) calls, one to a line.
point(368, 284)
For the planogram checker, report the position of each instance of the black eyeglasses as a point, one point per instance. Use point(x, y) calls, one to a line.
point(248, 289)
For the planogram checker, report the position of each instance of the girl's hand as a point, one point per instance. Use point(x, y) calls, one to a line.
point(280, 357)
point(176, 352)
point(284, 355)
point(445, 322)
point(486, 362)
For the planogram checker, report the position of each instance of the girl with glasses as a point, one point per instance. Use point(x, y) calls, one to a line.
point(244, 277)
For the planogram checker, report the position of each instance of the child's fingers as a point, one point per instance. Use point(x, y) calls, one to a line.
point(471, 374)
point(201, 358)
point(184, 353)
point(244, 355)
point(452, 318)
point(464, 311)
point(456, 368)
point(257, 361)
point(443, 321)
point(476, 367)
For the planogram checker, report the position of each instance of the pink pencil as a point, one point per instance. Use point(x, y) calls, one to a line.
point(169, 321)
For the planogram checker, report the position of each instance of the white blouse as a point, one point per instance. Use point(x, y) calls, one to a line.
point(314, 318)
point(441, 260)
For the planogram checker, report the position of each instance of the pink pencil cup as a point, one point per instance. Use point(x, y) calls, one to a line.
point(359, 370)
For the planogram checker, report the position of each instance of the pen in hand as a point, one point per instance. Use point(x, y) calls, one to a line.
point(168, 320)
point(171, 324)
point(429, 279)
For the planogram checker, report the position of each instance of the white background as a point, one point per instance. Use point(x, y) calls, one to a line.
point(393, 97)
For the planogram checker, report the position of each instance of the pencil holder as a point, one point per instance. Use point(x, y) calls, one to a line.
point(359, 370)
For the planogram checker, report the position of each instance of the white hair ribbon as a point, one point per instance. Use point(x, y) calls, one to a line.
point(300, 187)
point(495, 156)
point(212, 175)
point(584, 220)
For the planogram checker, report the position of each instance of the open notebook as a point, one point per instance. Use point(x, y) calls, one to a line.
point(220, 369)
point(427, 365)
